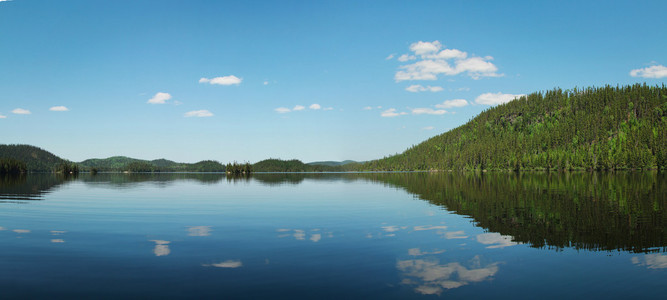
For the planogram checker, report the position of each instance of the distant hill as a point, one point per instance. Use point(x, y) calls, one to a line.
point(36, 159)
point(331, 163)
point(122, 163)
point(294, 165)
point(608, 128)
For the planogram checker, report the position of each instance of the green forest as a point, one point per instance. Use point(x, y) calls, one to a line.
point(608, 128)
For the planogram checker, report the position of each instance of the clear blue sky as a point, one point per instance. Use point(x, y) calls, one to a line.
point(313, 80)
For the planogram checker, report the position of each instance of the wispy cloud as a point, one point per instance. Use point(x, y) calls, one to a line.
point(389, 113)
point(298, 108)
point(390, 56)
point(3, 117)
point(656, 71)
point(328, 108)
point(416, 88)
point(223, 80)
point(159, 98)
point(428, 111)
point(282, 110)
point(452, 103)
point(21, 111)
point(198, 113)
point(428, 128)
point(59, 108)
point(496, 98)
point(433, 61)
point(315, 106)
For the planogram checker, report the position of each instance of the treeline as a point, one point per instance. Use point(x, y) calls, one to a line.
point(608, 128)
point(12, 166)
point(238, 169)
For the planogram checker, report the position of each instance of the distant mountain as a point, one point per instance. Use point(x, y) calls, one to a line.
point(36, 159)
point(331, 163)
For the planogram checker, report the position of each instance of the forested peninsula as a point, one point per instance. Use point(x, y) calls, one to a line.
point(606, 128)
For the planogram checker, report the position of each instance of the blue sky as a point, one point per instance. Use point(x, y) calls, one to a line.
point(312, 80)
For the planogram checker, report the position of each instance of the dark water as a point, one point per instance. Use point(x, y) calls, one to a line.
point(337, 236)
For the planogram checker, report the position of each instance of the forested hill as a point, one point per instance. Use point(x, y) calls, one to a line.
point(35, 159)
point(594, 128)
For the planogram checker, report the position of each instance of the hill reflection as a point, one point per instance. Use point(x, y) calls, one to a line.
point(594, 211)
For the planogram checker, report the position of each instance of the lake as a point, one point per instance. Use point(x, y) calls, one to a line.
point(337, 236)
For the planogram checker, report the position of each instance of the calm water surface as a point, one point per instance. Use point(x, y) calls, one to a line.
point(340, 236)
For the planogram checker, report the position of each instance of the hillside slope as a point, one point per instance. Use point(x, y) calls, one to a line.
point(594, 128)
point(36, 159)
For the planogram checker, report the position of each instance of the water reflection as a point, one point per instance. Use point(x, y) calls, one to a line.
point(199, 230)
point(594, 211)
point(495, 240)
point(431, 277)
point(229, 264)
point(651, 261)
point(24, 188)
point(161, 247)
point(301, 235)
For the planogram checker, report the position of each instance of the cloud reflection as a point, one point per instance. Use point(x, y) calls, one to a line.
point(431, 277)
point(418, 252)
point(57, 241)
point(229, 264)
point(495, 240)
point(455, 235)
point(161, 247)
point(300, 234)
point(21, 230)
point(651, 261)
point(199, 230)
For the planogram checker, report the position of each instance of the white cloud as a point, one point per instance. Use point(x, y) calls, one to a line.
point(298, 108)
point(224, 80)
point(159, 98)
point(368, 108)
point(392, 113)
point(416, 88)
point(390, 56)
point(428, 111)
point(315, 106)
point(21, 111)
point(59, 108)
point(428, 128)
point(449, 62)
point(657, 71)
point(198, 113)
point(282, 110)
point(266, 83)
point(422, 48)
point(452, 103)
point(3, 117)
point(328, 108)
point(405, 57)
point(495, 99)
